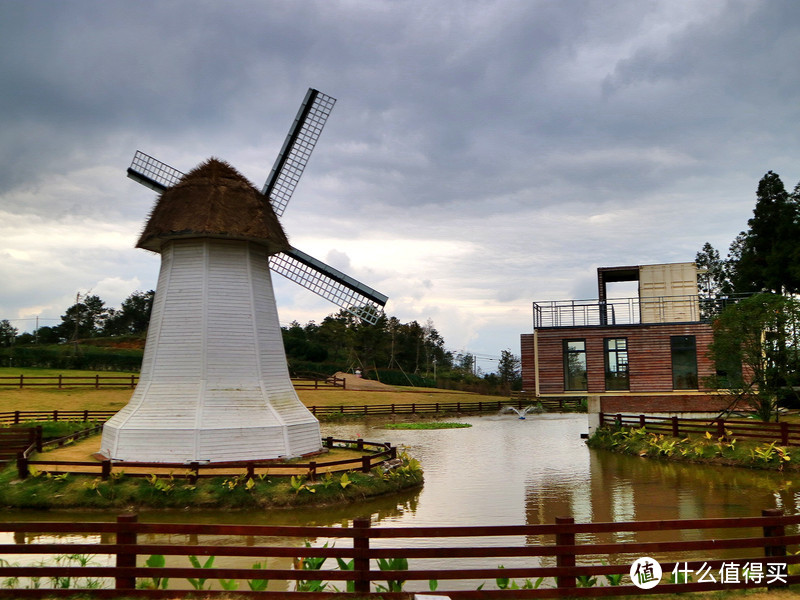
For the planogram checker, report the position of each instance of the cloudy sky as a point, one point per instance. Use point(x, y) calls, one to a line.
point(482, 154)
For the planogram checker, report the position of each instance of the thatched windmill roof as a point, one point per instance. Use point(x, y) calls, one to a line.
point(213, 200)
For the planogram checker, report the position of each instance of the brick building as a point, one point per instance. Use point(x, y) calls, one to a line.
point(645, 354)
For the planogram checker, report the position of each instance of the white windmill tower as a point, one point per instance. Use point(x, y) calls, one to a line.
point(214, 384)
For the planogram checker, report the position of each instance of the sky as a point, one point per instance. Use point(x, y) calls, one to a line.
point(482, 155)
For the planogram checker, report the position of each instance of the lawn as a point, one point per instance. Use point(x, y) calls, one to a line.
point(115, 398)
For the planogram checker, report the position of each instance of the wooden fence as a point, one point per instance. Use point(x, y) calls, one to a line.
point(69, 381)
point(16, 417)
point(785, 433)
point(412, 408)
point(14, 441)
point(711, 554)
point(377, 454)
point(129, 381)
point(21, 416)
point(549, 402)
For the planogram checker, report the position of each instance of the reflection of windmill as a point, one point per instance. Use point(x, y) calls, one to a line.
point(214, 383)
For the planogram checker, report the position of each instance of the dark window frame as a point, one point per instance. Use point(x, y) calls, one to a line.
point(568, 378)
point(683, 352)
point(618, 379)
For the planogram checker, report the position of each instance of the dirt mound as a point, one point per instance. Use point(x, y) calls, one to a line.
point(360, 384)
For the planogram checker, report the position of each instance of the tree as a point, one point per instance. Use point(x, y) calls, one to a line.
point(767, 252)
point(713, 278)
point(133, 316)
point(508, 368)
point(755, 347)
point(8, 333)
point(83, 319)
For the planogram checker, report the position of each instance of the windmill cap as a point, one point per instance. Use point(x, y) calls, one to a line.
point(213, 200)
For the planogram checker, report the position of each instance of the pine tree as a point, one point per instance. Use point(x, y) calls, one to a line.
point(768, 253)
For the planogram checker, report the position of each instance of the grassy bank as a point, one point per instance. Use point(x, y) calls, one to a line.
point(47, 491)
point(705, 449)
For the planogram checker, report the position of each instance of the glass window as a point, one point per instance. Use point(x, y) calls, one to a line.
point(684, 362)
point(616, 359)
point(575, 365)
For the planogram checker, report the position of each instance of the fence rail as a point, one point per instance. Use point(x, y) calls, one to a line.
point(785, 433)
point(437, 407)
point(69, 381)
point(379, 454)
point(22, 416)
point(104, 381)
point(564, 554)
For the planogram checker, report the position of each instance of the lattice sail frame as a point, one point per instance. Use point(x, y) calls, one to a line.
point(305, 270)
point(296, 150)
point(333, 285)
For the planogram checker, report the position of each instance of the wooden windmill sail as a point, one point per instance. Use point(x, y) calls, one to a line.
point(214, 384)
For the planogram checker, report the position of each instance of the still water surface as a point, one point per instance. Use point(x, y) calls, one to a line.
point(507, 471)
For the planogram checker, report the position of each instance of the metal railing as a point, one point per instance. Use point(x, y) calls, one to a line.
point(627, 311)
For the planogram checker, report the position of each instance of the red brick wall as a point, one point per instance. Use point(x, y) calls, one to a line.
point(649, 356)
point(667, 403)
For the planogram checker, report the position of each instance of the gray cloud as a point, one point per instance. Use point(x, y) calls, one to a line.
point(481, 155)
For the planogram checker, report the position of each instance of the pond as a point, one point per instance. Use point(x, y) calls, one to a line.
point(508, 471)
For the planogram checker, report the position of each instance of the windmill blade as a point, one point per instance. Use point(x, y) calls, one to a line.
point(296, 150)
point(344, 291)
point(153, 173)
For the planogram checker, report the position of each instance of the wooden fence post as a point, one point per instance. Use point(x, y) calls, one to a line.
point(55, 415)
point(105, 469)
point(392, 450)
point(195, 474)
point(784, 433)
point(366, 463)
point(329, 442)
point(565, 560)
point(16, 417)
point(22, 465)
point(361, 583)
point(126, 559)
point(312, 471)
point(618, 420)
point(97, 382)
point(21, 380)
point(642, 421)
point(675, 430)
point(774, 551)
point(721, 428)
point(60, 380)
point(38, 438)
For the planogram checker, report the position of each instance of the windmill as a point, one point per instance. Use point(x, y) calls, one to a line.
point(214, 383)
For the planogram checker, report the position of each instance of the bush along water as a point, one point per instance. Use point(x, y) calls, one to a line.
point(706, 448)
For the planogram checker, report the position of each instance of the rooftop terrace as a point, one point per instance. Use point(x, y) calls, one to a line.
point(626, 311)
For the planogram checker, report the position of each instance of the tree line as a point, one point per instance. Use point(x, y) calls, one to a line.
point(89, 317)
point(756, 345)
point(393, 351)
